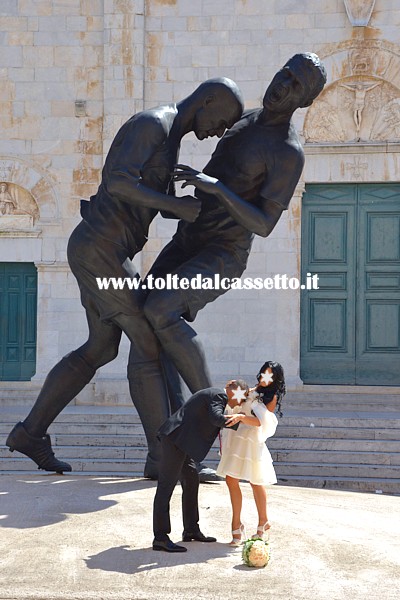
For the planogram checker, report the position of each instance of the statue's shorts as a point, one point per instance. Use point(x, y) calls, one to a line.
point(199, 264)
point(91, 256)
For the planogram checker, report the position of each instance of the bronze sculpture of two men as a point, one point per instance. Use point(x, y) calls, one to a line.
point(242, 192)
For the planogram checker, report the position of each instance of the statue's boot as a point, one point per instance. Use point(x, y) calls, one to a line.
point(65, 380)
point(150, 398)
point(182, 344)
point(37, 448)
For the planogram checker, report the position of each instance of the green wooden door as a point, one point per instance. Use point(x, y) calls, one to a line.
point(350, 326)
point(18, 300)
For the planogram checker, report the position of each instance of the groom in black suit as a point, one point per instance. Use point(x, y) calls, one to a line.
point(186, 437)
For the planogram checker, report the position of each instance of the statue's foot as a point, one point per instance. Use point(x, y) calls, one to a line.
point(38, 449)
point(151, 469)
point(153, 475)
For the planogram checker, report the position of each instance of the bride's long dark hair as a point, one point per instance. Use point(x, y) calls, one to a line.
point(276, 388)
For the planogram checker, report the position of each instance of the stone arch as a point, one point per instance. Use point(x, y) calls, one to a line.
point(361, 102)
point(30, 177)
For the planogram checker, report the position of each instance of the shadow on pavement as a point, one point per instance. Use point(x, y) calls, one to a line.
point(122, 559)
point(31, 502)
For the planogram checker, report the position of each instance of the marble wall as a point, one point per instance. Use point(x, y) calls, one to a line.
point(72, 72)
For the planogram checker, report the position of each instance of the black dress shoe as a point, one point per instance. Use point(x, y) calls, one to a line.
point(151, 468)
point(148, 474)
point(207, 474)
point(168, 546)
point(197, 536)
point(37, 448)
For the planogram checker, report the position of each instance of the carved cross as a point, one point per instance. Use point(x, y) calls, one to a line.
point(357, 167)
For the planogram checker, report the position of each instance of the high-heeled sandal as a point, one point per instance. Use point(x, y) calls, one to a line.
point(261, 531)
point(238, 536)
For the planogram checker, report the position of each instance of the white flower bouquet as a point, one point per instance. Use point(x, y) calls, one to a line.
point(256, 553)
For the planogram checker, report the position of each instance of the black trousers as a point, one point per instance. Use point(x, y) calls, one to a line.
point(175, 465)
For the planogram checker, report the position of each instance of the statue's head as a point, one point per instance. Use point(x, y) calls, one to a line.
point(311, 71)
point(220, 105)
point(296, 85)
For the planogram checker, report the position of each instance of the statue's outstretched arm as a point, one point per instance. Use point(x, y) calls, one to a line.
point(132, 191)
point(259, 219)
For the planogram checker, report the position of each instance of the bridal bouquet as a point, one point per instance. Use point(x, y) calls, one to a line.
point(256, 553)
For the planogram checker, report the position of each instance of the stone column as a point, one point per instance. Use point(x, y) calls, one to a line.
point(293, 340)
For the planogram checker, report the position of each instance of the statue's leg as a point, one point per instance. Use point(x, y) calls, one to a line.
point(182, 345)
point(169, 310)
point(147, 383)
point(65, 380)
point(72, 373)
point(163, 308)
point(177, 391)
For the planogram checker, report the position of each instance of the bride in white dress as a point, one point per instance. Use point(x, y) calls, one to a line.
point(244, 454)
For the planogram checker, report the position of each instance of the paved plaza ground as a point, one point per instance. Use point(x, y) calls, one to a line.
point(89, 538)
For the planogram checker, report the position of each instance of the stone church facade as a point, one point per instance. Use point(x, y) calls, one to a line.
point(72, 72)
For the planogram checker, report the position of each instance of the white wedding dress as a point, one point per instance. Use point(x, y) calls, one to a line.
point(244, 454)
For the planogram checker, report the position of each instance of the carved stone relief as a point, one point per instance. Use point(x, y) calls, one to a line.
point(18, 209)
point(359, 11)
point(358, 168)
point(32, 193)
point(8, 204)
point(362, 104)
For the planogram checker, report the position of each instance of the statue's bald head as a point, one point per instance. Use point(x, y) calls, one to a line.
point(223, 92)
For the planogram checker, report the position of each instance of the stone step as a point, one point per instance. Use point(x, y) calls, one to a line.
point(343, 399)
point(90, 452)
point(314, 478)
point(354, 450)
point(342, 406)
point(124, 435)
point(131, 466)
point(344, 444)
point(356, 484)
point(290, 403)
point(114, 429)
point(107, 424)
point(340, 431)
point(112, 474)
point(96, 415)
point(336, 457)
point(279, 456)
point(376, 485)
point(67, 439)
point(371, 421)
point(369, 452)
point(275, 443)
point(77, 415)
point(308, 469)
point(338, 470)
point(314, 469)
